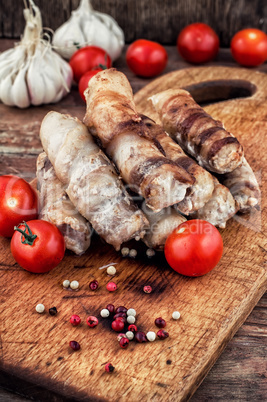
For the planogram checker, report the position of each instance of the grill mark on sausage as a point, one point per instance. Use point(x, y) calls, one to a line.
point(185, 162)
point(137, 176)
point(217, 145)
point(186, 125)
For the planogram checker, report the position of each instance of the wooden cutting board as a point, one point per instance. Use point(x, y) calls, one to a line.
point(35, 347)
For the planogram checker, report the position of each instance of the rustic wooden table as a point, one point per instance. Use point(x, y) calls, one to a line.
point(240, 372)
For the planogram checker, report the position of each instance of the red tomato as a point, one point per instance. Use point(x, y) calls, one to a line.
point(39, 248)
point(18, 202)
point(198, 43)
point(88, 58)
point(146, 58)
point(249, 47)
point(194, 248)
point(84, 80)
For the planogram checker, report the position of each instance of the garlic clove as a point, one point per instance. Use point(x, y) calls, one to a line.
point(19, 91)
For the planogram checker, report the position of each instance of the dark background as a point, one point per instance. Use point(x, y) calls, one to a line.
point(159, 20)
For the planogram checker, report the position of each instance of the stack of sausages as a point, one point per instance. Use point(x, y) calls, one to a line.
point(142, 183)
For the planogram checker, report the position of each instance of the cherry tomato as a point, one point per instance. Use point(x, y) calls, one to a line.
point(88, 58)
point(37, 246)
point(18, 202)
point(146, 58)
point(198, 43)
point(84, 80)
point(249, 47)
point(194, 248)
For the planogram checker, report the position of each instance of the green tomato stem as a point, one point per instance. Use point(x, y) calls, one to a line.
point(28, 237)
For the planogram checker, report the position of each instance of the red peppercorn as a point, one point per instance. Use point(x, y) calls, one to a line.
point(160, 322)
point(117, 325)
point(92, 321)
point(93, 285)
point(140, 337)
point(75, 320)
point(124, 342)
point(111, 308)
point(74, 345)
point(109, 368)
point(162, 334)
point(121, 335)
point(121, 309)
point(132, 328)
point(111, 286)
point(147, 289)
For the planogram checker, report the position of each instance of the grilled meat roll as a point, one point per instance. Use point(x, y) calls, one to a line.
point(201, 191)
point(243, 185)
point(220, 207)
point(56, 207)
point(112, 117)
point(197, 132)
point(91, 182)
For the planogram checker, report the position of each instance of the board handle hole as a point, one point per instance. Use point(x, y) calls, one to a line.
point(208, 92)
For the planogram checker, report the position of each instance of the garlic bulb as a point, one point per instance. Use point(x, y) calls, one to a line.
point(31, 73)
point(88, 27)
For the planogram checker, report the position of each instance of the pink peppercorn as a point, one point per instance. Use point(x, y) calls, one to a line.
point(160, 322)
point(117, 325)
point(162, 334)
point(147, 289)
point(109, 368)
point(74, 345)
point(92, 321)
point(93, 285)
point(132, 328)
point(111, 308)
point(121, 309)
point(140, 337)
point(121, 335)
point(111, 286)
point(124, 342)
point(75, 320)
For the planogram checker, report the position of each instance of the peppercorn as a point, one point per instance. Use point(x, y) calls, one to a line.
point(117, 325)
point(147, 289)
point(93, 285)
point(40, 308)
point(132, 328)
point(160, 322)
point(75, 320)
point(109, 368)
point(111, 286)
point(53, 311)
point(111, 308)
point(162, 334)
point(140, 337)
point(92, 321)
point(74, 345)
point(124, 342)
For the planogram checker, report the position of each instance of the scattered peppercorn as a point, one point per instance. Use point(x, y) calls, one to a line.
point(75, 320)
point(140, 337)
point(111, 286)
point(92, 321)
point(117, 325)
point(93, 285)
point(121, 335)
point(160, 322)
point(150, 252)
point(131, 319)
point(162, 334)
point(40, 308)
point(74, 285)
point(176, 315)
point(129, 335)
point(124, 342)
point(74, 345)
point(109, 368)
point(147, 289)
point(132, 253)
point(121, 309)
point(132, 328)
point(66, 284)
point(104, 313)
point(151, 336)
point(53, 311)
point(125, 251)
point(111, 308)
point(111, 270)
point(131, 311)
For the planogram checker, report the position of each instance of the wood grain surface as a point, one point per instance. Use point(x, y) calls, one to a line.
point(35, 347)
point(155, 19)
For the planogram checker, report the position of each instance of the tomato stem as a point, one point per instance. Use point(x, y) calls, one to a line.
point(28, 237)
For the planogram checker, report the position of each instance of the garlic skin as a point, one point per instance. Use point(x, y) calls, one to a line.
point(87, 27)
point(31, 73)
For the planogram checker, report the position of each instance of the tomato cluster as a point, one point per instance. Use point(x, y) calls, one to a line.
point(37, 246)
